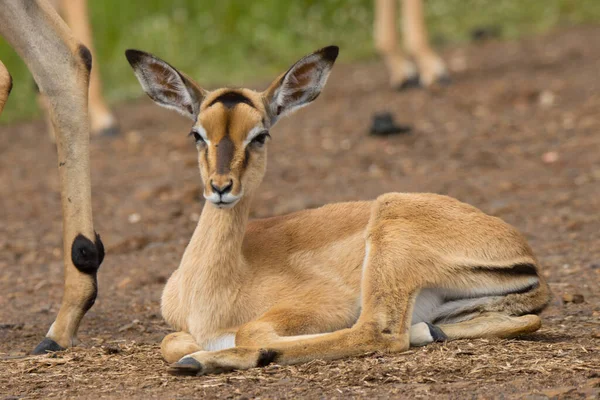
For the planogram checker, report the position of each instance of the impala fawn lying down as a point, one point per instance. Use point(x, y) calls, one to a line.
point(340, 280)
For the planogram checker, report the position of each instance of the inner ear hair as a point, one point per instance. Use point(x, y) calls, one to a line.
point(165, 85)
point(301, 84)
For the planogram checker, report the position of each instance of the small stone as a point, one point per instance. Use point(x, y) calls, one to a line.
point(550, 157)
point(546, 98)
point(134, 218)
point(573, 298)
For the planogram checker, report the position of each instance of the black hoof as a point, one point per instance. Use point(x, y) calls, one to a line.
point(436, 333)
point(111, 131)
point(186, 366)
point(384, 125)
point(484, 33)
point(47, 346)
point(410, 83)
point(444, 80)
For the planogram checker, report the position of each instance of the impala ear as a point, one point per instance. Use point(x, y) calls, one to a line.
point(301, 84)
point(166, 85)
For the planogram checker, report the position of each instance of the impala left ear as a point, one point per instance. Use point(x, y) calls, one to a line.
point(301, 84)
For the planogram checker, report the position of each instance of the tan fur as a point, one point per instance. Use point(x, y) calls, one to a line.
point(54, 57)
point(5, 86)
point(334, 281)
point(420, 61)
point(75, 14)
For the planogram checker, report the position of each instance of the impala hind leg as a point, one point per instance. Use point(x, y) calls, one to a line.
point(76, 15)
point(102, 122)
point(402, 71)
point(61, 66)
point(492, 325)
point(5, 86)
point(416, 42)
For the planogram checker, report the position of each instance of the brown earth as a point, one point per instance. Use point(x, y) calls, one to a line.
point(517, 135)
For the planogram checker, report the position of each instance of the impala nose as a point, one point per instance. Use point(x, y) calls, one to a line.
point(221, 190)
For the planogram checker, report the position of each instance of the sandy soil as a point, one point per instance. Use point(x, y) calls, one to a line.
point(517, 135)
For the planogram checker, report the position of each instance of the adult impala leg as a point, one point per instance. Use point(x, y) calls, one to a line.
point(60, 66)
point(75, 14)
point(416, 41)
point(402, 71)
point(5, 86)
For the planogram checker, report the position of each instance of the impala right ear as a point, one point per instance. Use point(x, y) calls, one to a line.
point(166, 85)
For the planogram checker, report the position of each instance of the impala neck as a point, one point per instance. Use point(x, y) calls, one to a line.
point(216, 245)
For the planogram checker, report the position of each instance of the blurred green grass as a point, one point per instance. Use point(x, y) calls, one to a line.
point(234, 41)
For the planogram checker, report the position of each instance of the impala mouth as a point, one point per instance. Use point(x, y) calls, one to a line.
point(225, 204)
point(224, 201)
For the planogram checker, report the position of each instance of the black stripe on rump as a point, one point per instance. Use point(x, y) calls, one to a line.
point(515, 270)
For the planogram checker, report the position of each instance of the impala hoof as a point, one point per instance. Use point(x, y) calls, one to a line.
point(186, 366)
point(410, 83)
point(47, 346)
point(111, 131)
point(444, 80)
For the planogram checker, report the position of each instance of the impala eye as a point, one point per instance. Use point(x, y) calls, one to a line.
point(260, 139)
point(197, 137)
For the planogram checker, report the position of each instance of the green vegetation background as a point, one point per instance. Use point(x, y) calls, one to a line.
point(233, 41)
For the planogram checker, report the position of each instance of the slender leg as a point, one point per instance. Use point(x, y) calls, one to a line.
point(5, 86)
point(75, 13)
point(402, 71)
point(490, 325)
point(431, 67)
point(383, 325)
point(177, 345)
point(283, 323)
point(60, 66)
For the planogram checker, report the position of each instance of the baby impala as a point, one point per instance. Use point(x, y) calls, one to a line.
point(341, 280)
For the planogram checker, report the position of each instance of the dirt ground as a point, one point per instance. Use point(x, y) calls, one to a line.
point(517, 134)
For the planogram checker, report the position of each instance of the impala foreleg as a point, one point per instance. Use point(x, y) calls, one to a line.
point(383, 325)
point(177, 345)
point(61, 66)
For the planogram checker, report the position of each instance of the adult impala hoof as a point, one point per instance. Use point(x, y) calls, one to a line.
point(110, 131)
point(444, 80)
point(47, 346)
point(409, 83)
point(186, 366)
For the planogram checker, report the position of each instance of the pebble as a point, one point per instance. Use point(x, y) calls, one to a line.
point(573, 298)
point(550, 157)
point(134, 218)
point(546, 98)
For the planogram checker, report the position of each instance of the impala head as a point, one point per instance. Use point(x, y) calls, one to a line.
point(231, 126)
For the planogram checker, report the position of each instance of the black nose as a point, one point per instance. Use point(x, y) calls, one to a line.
point(222, 189)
